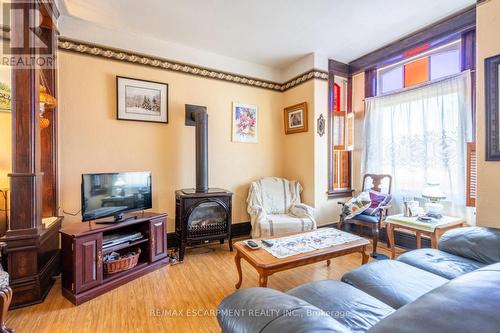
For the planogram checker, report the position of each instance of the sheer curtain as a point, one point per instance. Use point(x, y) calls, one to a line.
point(420, 135)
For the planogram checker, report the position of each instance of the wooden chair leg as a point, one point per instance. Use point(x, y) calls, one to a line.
point(375, 233)
point(5, 299)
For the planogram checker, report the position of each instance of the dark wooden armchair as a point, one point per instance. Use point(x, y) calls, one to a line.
point(374, 221)
point(5, 296)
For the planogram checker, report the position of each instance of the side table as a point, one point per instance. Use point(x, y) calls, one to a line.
point(432, 229)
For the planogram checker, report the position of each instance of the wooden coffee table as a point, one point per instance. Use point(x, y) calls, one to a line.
point(266, 264)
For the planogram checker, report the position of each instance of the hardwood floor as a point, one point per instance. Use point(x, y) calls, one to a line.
point(177, 298)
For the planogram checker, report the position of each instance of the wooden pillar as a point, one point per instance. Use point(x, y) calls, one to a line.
point(469, 63)
point(25, 177)
point(32, 250)
point(370, 82)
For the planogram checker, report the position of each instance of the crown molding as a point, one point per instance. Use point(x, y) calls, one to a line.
point(101, 51)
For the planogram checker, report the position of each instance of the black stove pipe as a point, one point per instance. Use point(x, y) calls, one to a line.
point(200, 118)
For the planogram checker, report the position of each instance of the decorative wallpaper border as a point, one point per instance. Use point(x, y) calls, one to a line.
point(141, 59)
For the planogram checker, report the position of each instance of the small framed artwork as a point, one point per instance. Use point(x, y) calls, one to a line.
point(492, 108)
point(245, 123)
point(141, 100)
point(296, 118)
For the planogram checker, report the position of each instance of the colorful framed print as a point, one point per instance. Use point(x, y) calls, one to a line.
point(141, 100)
point(296, 118)
point(5, 93)
point(245, 123)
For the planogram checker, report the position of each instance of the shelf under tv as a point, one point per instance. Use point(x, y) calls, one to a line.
point(123, 245)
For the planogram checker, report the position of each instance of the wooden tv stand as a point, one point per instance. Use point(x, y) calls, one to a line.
point(82, 253)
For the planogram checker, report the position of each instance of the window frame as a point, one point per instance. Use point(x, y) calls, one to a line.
point(427, 53)
point(340, 70)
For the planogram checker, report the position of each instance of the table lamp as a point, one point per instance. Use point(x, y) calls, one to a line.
point(433, 193)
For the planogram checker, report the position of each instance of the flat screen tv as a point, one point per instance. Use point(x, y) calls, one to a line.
point(113, 194)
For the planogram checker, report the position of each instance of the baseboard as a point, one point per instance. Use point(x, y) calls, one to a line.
point(402, 239)
point(237, 230)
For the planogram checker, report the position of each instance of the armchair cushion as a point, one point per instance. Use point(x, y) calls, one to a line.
point(302, 210)
point(366, 218)
point(279, 224)
point(356, 205)
point(476, 243)
point(379, 200)
point(4, 279)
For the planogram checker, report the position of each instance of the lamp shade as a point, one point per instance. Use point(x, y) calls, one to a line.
point(47, 99)
point(433, 192)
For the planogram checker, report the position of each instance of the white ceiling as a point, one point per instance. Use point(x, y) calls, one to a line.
point(272, 33)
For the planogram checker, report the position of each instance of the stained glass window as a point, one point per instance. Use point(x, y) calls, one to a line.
point(417, 72)
point(445, 64)
point(420, 68)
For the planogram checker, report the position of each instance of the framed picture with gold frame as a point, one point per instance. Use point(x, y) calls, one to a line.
point(296, 118)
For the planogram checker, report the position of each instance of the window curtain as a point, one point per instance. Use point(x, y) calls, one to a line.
point(420, 135)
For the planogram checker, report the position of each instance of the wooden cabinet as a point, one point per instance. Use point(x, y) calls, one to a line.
point(158, 239)
point(88, 267)
point(83, 276)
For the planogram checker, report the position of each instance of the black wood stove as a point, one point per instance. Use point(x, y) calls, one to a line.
point(201, 214)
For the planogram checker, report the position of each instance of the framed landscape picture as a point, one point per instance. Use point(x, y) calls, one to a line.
point(5, 92)
point(245, 123)
point(296, 118)
point(141, 100)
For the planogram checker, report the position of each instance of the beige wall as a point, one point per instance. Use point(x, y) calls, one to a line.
point(5, 134)
point(92, 140)
point(488, 44)
point(327, 210)
point(306, 154)
point(298, 157)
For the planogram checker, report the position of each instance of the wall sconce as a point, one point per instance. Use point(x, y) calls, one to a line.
point(47, 102)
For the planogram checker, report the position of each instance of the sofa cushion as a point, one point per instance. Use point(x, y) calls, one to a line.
point(393, 282)
point(346, 304)
point(268, 310)
point(467, 304)
point(439, 262)
point(476, 243)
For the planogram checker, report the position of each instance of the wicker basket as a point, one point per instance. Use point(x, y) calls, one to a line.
point(122, 264)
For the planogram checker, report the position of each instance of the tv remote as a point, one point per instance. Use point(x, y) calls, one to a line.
point(267, 243)
point(252, 244)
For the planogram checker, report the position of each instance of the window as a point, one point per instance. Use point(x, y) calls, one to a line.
point(342, 137)
point(421, 68)
point(420, 135)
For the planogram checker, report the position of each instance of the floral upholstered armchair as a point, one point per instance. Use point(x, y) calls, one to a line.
point(275, 208)
point(5, 295)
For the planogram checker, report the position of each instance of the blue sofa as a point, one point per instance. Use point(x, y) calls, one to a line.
point(453, 289)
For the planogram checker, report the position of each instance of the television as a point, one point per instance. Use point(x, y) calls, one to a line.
point(113, 194)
